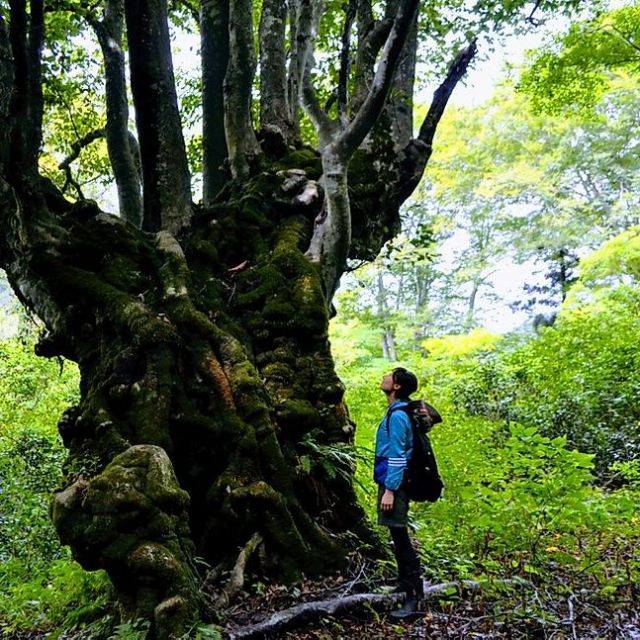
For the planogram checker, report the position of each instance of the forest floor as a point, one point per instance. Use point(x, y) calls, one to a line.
point(534, 612)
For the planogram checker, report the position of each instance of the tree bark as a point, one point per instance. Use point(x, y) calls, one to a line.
point(238, 124)
point(6, 86)
point(122, 154)
point(166, 179)
point(275, 114)
point(214, 41)
point(400, 103)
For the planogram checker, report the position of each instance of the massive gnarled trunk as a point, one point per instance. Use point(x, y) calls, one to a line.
point(211, 416)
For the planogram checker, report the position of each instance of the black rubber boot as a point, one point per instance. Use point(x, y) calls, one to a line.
point(408, 610)
point(403, 586)
point(415, 592)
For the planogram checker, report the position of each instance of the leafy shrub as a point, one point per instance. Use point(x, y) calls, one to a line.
point(61, 595)
point(33, 394)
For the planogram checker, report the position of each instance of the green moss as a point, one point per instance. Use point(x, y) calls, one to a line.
point(304, 158)
point(279, 310)
point(279, 371)
point(122, 273)
point(297, 416)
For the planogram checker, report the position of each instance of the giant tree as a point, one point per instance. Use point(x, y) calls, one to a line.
point(200, 330)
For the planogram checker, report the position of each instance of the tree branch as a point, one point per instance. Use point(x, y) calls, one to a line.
point(304, 23)
point(345, 59)
point(191, 8)
point(417, 152)
point(400, 102)
point(167, 188)
point(6, 92)
point(371, 38)
point(214, 46)
point(241, 140)
point(20, 97)
point(36, 102)
point(323, 124)
point(236, 579)
point(274, 107)
point(123, 156)
point(442, 94)
point(531, 19)
point(76, 148)
point(368, 113)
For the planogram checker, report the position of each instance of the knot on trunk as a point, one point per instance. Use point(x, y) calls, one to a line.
point(131, 520)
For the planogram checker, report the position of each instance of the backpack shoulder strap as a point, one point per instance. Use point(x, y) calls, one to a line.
point(390, 411)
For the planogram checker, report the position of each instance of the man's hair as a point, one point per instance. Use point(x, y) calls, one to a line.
point(407, 381)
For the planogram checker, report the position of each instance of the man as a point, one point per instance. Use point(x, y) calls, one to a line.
point(394, 443)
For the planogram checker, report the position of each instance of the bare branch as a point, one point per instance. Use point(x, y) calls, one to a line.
point(323, 124)
point(399, 105)
point(371, 38)
point(76, 149)
point(304, 22)
point(417, 152)
point(442, 94)
point(167, 188)
point(236, 579)
point(534, 21)
point(368, 113)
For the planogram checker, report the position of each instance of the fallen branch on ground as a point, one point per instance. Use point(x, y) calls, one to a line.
point(307, 612)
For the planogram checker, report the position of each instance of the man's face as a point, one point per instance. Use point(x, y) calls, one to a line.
point(388, 385)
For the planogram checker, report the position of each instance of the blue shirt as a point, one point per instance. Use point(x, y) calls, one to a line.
point(393, 447)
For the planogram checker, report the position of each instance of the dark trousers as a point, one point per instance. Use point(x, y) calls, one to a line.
point(406, 558)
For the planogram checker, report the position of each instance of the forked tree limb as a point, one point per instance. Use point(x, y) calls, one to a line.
point(365, 118)
point(76, 149)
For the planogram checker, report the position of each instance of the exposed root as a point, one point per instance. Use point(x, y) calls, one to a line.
point(236, 580)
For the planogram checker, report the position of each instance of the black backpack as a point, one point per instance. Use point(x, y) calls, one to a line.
point(422, 482)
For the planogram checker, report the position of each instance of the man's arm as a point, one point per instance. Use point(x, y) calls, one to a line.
point(400, 442)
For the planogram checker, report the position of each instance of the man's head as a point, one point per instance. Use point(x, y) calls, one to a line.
point(399, 384)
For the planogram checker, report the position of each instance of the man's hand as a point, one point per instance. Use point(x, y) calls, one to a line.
point(386, 504)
